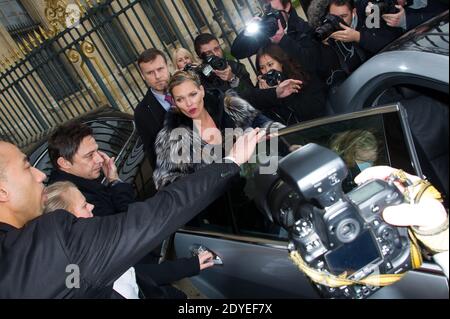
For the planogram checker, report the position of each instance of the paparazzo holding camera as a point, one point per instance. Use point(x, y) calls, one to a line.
point(217, 72)
point(346, 38)
point(274, 67)
point(281, 25)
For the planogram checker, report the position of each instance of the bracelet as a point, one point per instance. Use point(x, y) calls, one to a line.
point(431, 232)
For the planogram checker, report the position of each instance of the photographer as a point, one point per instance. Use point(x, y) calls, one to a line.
point(296, 40)
point(428, 217)
point(275, 66)
point(347, 41)
point(413, 13)
point(226, 74)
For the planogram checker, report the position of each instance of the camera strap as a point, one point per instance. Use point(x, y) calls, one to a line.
point(333, 281)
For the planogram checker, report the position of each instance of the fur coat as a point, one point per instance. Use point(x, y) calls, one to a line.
point(180, 149)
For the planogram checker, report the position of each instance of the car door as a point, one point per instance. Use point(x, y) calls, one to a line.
point(252, 251)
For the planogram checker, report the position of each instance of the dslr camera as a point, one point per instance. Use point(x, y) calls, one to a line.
point(273, 77)
point(335, 233)
point(329, 25)
point(386, 6)
point(215, 62)
point(203, 69)
point(268, 25)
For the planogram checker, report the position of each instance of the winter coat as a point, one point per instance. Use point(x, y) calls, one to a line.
point(179, 137)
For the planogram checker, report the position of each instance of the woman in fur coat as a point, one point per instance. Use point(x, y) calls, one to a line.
point(201, 128)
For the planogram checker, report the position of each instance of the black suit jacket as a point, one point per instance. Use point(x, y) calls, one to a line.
point(107, 200)
point(149, 119)
point(34, 260)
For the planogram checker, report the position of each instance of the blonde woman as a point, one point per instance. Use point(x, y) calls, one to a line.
point(182, 57)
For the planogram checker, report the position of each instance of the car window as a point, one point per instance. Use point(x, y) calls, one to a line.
point(364, 141)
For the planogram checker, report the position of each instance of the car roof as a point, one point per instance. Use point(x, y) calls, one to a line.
point(431, 37)
point(100, 114)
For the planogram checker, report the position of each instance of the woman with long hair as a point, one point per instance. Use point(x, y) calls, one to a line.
point(274, 67)
point(200, 128)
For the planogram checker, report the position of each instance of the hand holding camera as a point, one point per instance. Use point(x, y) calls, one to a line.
point(395, 19)
point(346, 247)
point(347, 34)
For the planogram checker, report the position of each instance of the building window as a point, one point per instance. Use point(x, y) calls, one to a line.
point(195, 13)
point(52, 71)
point(159, 20)
point(13, 16)
point(112, 32)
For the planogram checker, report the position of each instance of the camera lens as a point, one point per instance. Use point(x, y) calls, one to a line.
point(347, 230)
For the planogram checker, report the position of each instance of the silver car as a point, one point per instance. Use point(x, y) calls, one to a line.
point(252, 252)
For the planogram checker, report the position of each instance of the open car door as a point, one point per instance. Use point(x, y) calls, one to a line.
point(251, 251)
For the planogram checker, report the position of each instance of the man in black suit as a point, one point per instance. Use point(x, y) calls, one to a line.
point(149, 114)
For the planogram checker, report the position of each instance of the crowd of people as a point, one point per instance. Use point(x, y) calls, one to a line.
point(101, 228)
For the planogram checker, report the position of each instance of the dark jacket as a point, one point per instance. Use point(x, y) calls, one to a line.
point(149, 120)
point(115, 200)
point(108, 200)
point(34, 260)
point(308, 104)
point(374, 39)
point(228, 112)
point(215, 83)
point(415, 17)
point(299, 43)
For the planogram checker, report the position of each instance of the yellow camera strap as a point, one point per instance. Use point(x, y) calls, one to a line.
point(378, 280)
point(414, 192)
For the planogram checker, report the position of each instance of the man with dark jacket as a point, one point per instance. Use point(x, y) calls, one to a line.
point(58, 256)
point(150, 112)
point(297, 40)
point(356, 41)
point(235, 76)
point(75, 158)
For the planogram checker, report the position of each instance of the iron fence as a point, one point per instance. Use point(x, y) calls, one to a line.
point(60, 75)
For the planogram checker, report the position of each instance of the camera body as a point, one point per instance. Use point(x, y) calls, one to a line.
point(386, 6)
point(329, 25)
point(203, 69)
point(273, 77)
point(334, 232)
point(215, 62)
point(269, 21)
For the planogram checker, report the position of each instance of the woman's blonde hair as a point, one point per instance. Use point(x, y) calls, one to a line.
point(348, 143)
point(57, 196)
point(182, 76)
point(182, 51)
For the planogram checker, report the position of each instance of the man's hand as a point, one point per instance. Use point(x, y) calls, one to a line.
point(245, 146)
point(395, 19)
point(288, 87)
point(205, 259)
point(427, 214)
point(279, 35)
point(109, 168)
point(347, 34)
point(225, 75)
